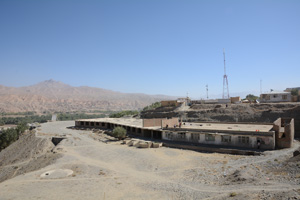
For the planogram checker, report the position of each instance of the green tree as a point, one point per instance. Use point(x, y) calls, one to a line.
point(119, 132)
point(10, 135)
point(21, 128)
point(251, 97)
point(294, 92)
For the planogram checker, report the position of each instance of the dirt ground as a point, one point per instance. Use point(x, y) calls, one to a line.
point(89, 165)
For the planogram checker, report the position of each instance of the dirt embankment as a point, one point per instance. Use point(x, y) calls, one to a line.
point(233, 113)
point(27, 154)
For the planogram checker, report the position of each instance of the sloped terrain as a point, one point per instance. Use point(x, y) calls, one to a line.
point(27, 154)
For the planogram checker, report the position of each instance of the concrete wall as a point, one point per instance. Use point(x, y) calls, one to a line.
point(235, 99)
point(152, 122)
point(170, 122)
point(250, 141)
point(224, 101)
point(162, 122)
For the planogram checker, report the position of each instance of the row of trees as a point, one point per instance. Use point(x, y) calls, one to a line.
point(10, 135)
point(45, 118)
point(26, 119)
point(74, 116)
point(18, 113)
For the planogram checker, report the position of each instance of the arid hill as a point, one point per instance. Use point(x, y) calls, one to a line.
point(53, 96)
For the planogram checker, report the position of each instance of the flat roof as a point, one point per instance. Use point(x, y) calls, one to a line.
point(274, 92)
point(123, 121)
point(228, 127)
point(138, 123)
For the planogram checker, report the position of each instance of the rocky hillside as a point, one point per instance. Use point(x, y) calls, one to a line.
point(232, 113)
point(56, 96)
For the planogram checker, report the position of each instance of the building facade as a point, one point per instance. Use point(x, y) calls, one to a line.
point(273, 97)
point(277, 135)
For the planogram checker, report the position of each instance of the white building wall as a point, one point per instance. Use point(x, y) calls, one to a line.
point(267, 142)
point(275, 97)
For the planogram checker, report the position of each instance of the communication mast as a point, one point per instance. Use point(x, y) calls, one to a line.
point(225, 81)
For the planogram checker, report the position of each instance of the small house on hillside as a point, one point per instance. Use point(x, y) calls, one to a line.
point(273, 97)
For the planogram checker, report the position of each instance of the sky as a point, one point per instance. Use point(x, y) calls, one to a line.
point(168, 47)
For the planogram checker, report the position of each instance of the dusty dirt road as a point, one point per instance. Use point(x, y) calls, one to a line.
point(89, 168)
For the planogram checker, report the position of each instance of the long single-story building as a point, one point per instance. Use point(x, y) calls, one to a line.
point(273, 97)
point(268, 136)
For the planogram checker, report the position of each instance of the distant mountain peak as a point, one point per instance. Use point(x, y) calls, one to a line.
point(52, 95)
point(52, 83)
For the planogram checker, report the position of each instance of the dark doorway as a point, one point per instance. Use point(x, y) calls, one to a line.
point(157, 135)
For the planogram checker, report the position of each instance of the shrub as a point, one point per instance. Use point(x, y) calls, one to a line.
point(119, 132)
point(124, 113)
point(233, 194)
point(152, 106)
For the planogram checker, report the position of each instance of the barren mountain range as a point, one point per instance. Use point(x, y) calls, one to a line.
point(53, 96)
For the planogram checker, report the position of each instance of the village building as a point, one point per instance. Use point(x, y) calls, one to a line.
point(273, 97)
point(268, 136)
point(180, 101)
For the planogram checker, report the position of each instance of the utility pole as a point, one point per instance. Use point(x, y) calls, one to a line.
point(207, 91)
point(260, 86)
point(225, 81)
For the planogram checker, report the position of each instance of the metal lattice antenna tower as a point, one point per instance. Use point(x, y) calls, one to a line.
point(225, 81)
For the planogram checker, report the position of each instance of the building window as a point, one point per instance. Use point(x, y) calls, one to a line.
point(264, 96)
point(169, 136)
point(195, 136)
point(275, 96)
point(268, 97)
point(284, 97)
point(209, 137)
point(181, 135)
point(226, 138)
point(97, 123)
point(243, 139)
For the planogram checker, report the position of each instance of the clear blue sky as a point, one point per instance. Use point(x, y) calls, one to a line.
point(151, 46)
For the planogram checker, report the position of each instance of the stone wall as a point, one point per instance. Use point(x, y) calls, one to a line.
point(284, 132)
